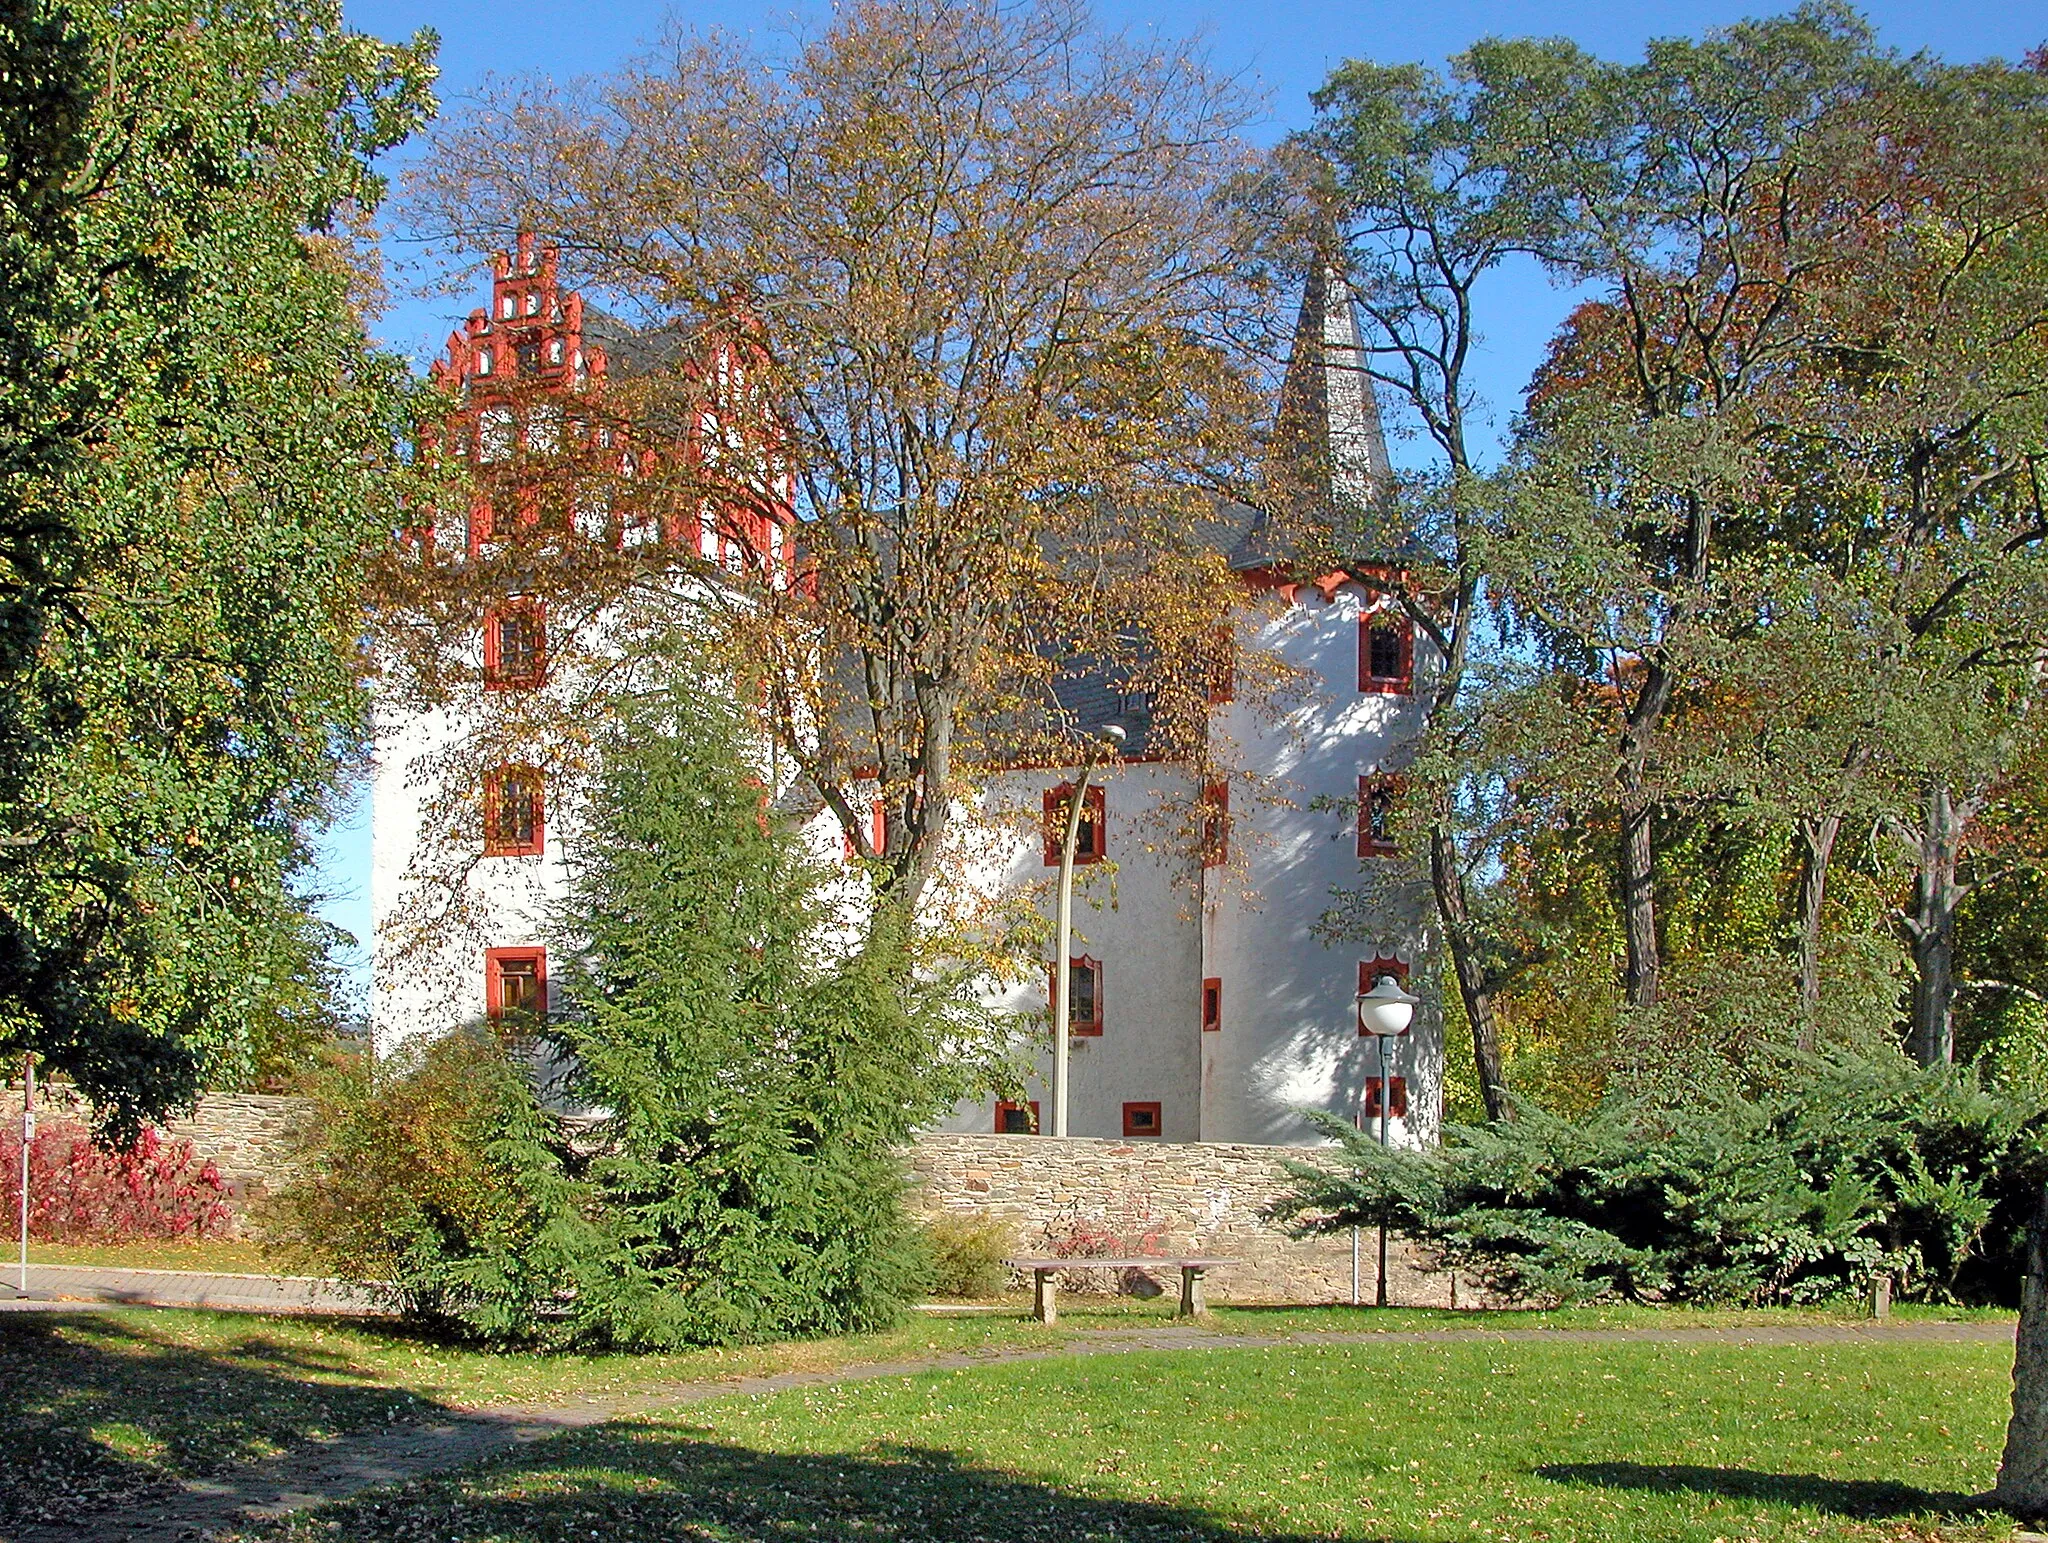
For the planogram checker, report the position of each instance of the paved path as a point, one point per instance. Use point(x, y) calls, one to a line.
point(63, 1287)
point(346, 1465)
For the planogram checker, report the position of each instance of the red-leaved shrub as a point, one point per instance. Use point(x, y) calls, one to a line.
point(82, 1193)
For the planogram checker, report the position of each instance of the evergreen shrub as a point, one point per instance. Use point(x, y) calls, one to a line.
point(1847, 1166)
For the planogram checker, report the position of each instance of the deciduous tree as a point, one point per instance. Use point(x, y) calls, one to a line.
point(196, 453)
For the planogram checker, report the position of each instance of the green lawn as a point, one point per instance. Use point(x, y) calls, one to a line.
point(97, 1406)
point(1456, 1441)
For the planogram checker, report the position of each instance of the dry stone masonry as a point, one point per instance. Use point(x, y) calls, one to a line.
point(1079, 1195)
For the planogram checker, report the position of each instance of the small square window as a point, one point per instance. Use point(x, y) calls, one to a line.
point(1399, 1104)
point(1212, 1005)
point(1084, 996)
point(1386, 653)
point(1016, 1119)
point(1091, 842)
point(515, 646)
point(516, 984)
point(1141, 1119)
point(514, 812)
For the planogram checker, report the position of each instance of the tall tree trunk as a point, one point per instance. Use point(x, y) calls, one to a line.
point(1637, 861)
point(1817, 838)
point(1447, 876)
point(2022, 1486)
point(1932, 926)
point(1639, 906)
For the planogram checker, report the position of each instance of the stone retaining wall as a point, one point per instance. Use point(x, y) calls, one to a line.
point(1165, 1197)
point(244, 1133)
point(1053, 1194)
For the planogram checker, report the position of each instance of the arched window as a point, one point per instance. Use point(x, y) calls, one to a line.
point(1084, 996)
point(505, 306)
point(483, 361)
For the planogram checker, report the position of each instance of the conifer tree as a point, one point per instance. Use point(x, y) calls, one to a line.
point(756, 1095)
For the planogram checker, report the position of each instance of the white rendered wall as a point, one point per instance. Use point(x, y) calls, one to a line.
point(503, 904)
point(1135, 912)
point(1289, 1039)
point(1159, 924)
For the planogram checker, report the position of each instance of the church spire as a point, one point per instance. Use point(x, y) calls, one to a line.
point(1328, 443)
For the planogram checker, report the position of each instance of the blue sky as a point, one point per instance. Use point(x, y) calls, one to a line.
point(1284, 50)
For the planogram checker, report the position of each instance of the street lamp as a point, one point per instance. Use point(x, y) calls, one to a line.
point(1110, 737)
point(28, 1137)
point(1385, 1013)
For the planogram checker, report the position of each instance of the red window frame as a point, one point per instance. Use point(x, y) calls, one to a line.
point(1215, 825)
point(1222, 666)
point(1377, 791)
point(1091, 843)
point(1090, 1027)
point(1402, 681)
point(878, 830)
point(1369, 972)
point(501, 675)
point(1212, 1005)
point(1400, 1098)
point(1006, 1107)
point(495, 974)
point(1142, 1119)
point(503, 838)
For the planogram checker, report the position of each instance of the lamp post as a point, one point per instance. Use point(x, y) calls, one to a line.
point(1110, 737)
point(28, 1136)
point(1385, 1013)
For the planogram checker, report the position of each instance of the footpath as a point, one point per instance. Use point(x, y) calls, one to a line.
point(347, 1465)
point(67, 1287)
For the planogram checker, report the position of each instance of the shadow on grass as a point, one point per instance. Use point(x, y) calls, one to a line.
point(97, 1409)
point(1865, 1499)
point(663, 1478)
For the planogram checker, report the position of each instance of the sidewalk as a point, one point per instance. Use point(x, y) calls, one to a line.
point(55, 1287)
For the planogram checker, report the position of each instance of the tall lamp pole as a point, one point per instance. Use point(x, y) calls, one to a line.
point(28, 1136)
point(1111, 737)
point(1385, 1013)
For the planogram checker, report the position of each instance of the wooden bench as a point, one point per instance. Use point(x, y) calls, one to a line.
point(1044, 1272)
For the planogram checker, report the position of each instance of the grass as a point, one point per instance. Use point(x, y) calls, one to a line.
point(1417, 1443)
point(226, 1256)
point(99, 1406)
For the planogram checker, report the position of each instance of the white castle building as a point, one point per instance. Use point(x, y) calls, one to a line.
point(1207, 1004)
